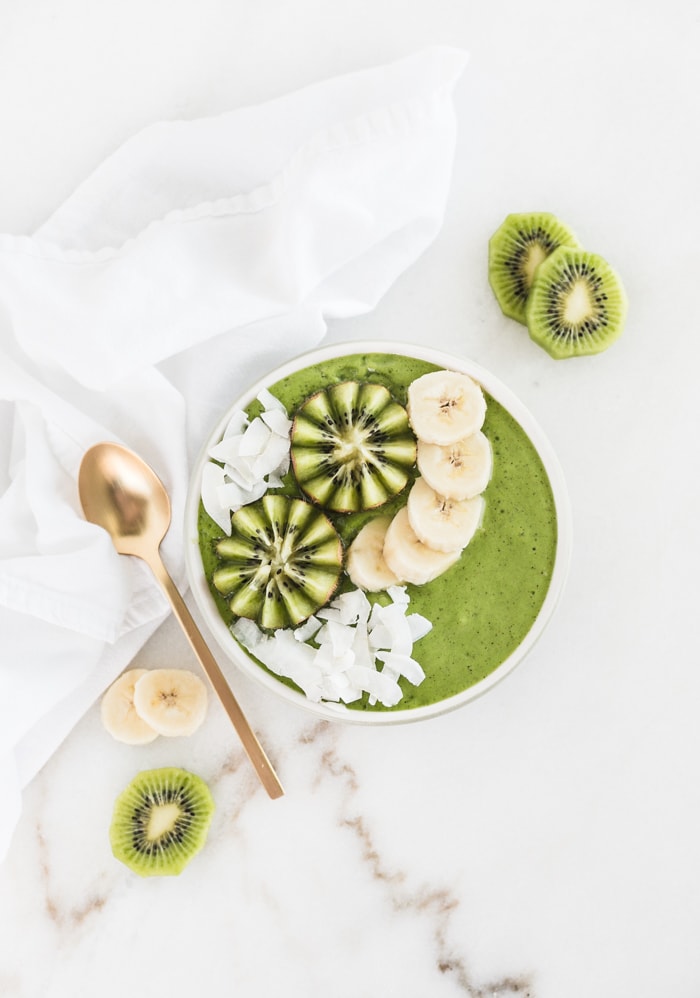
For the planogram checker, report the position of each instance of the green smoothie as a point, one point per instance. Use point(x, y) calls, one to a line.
point(485, 604)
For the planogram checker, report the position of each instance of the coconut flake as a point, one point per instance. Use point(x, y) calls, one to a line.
point(255, 438)
point(283, 655)
point(419, 626)
point(379, 638)
point(361, 647)
point(394, 629)
point(399, 595)
point(273, 453)
point(402, 665)
point(269, 401)
point(334, 686)
point(248, 633)
point(255, 458)
point(236, 424)
point(241, 473)
point(212, 481)
point(241, 497)
point(339, 636)
point(331, 664)
point(307, 629)
point(347, 608)
point(351, 693)
point(230, 495)
point(227, 450)
point(386, 690)
point(277, 421)
point(334, 655)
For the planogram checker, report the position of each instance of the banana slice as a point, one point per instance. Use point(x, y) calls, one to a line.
point(365, 562)
point(119, 713)
point(441, 523)
point(445, 406)
point(459, 470)
point(409, 558)
point(172, 701)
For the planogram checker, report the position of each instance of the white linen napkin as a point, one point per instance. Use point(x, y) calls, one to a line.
point(198, 255)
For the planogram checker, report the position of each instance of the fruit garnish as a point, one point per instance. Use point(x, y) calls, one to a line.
point(516, 250)
point(352, 447)
point(409, 558)
point(160, 821)
point(144, 703)
point(281, 563)
point(459, 470)
point(119, 714)
point(172, 701)
point(442, 523)
point(445, 406)
point(577, 305)
point(365, 562)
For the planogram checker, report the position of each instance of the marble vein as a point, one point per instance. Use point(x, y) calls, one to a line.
point(435, 904)
point(82, 897)
point(64, 918)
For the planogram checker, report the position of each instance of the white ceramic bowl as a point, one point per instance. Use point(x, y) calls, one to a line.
point(332, 711)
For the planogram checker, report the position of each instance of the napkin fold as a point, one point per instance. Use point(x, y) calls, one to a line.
point(197, 256)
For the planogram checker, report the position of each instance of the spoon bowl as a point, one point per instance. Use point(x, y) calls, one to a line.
point(122, 494)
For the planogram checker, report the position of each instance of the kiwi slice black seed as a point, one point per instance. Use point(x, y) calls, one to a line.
point(161, 821)
point(516, 250)
point(281, 563)
point(577, 305)
point(352, 447)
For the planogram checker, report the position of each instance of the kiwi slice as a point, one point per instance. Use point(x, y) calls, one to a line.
point(352, 447)
point(577, 304)
point(516, 250)
point(281, 563)
point(161, 821)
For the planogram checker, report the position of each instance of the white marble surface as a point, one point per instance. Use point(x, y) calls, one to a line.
point(541, 842)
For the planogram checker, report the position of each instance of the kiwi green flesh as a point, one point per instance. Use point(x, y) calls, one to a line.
point(577, 305)
point(281, 563)
point(516, 250)
point(160, 821)
point(352, 448)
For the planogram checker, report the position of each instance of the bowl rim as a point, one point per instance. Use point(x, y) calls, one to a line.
point(339, 712)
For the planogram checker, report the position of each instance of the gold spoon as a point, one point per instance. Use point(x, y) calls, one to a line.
point(120, 492)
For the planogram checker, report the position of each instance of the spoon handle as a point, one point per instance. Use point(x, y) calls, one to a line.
point(250, 743)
